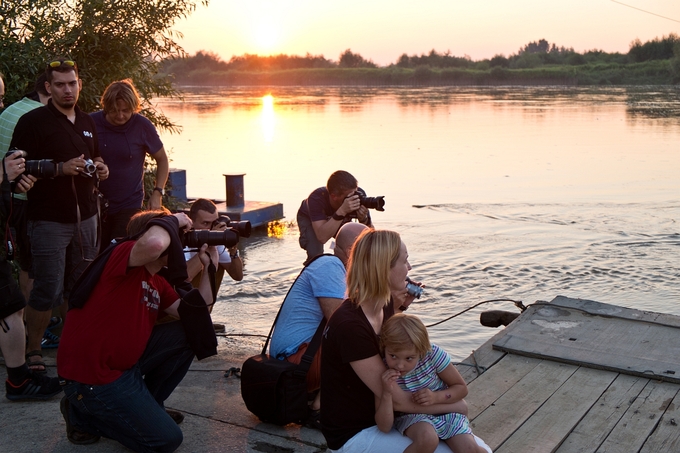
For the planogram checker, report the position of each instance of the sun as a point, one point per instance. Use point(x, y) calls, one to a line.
point(267, 36)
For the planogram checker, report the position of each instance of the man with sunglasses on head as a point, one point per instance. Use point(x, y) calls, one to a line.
point(62, 206)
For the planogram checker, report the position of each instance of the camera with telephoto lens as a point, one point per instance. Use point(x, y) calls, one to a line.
point(243, 227)
point(89, 169)
point(196, 238)
point(43, 168)
point(377, 203)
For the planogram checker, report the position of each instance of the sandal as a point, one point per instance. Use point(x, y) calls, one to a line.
point(40, 364)
point(49, 340)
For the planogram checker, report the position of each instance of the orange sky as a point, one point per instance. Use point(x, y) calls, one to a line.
point(382, 30)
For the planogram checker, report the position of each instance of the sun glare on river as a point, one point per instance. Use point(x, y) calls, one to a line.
point(268, 118)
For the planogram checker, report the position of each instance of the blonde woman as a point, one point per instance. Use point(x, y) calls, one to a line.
point(351, 365)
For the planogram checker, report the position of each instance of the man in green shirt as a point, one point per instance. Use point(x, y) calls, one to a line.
point(8, 119)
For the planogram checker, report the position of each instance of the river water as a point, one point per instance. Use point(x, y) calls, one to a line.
point(519, 193)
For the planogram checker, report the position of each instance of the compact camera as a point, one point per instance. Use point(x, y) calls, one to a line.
point(89, 169)
point(413, 289)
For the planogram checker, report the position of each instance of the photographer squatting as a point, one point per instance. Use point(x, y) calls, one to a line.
point(115, 385)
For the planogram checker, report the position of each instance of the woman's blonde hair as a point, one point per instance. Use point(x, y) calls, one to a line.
point(374, 253)
point(123, 90)
point(404, 331)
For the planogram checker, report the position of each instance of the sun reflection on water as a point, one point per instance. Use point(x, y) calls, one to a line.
point(268, 118)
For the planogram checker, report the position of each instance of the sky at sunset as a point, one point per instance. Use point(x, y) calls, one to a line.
point(383, 30)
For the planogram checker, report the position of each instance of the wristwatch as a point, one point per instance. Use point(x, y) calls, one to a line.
point(159, 189)
point(337, 216)
point(233, 255)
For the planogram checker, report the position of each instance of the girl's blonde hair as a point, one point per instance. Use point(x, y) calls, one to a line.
point(374, 253)
point(404, 331)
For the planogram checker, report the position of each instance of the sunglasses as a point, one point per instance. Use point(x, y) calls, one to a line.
point(57, 63)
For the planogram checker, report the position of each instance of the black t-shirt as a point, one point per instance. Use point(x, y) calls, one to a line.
point(44, 134)
point(348, 405)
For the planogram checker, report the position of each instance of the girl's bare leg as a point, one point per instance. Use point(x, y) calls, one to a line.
point(424, 437)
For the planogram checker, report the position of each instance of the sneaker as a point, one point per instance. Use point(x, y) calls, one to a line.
point(74, 435)
point(35, 387)
point(177, 416)
point(49, 340)
point(55, 321)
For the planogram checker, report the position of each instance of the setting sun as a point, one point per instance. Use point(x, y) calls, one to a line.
point(267, 36)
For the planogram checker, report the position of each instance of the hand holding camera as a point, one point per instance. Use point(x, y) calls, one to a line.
point(13, 164)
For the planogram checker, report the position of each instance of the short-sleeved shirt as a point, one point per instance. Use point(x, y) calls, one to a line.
point(8, 120)
point(109, 334)
point(301, 313)
point(318, 207)
point(44, 134)
point(124, 149)
point(426, 373)
point(348, 404)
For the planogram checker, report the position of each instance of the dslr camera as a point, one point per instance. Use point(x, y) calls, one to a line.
point(377, 203)
point(227, 238)
point(43, 168)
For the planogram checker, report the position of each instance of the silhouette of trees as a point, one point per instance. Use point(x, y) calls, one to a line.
point(354, 60)
point(656, 49)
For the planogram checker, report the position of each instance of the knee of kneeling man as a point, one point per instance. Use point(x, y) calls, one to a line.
point(172, 441)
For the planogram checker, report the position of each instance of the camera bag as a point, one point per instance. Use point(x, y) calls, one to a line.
point(276, 390)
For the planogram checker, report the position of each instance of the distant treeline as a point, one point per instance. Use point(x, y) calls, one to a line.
point(653, 62)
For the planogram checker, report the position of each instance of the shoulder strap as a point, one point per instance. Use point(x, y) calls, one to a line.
point(271, 330)
point(308, 356)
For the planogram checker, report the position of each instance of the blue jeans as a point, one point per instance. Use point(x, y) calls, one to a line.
point(60, 252)
point(130, 409)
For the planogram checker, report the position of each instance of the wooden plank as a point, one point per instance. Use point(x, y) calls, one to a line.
point(509, 412)
point(500, 378)
point(641, 419)
point(481, 359)
point(572, 336)
point(552, 422)
point(666, 437)
point(589, 434)
point(484, 357)
point(602, 309)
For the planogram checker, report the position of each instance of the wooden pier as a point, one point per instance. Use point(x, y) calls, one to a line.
point(581, 376)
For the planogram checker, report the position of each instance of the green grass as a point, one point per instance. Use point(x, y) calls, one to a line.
point(657, 72)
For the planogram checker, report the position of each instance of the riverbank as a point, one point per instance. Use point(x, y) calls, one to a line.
point(216, 419)
point(654, 72)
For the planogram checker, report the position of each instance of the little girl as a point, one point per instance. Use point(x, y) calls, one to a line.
point(427, 372)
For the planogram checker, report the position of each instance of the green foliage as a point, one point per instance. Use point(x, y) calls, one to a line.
point(434, 59)
point(169, 202)
point(110, 40)
point(656, 49)
point(354, 60)
point(207, 65)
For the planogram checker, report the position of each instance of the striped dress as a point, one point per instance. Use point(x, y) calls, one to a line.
point(426, 375)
